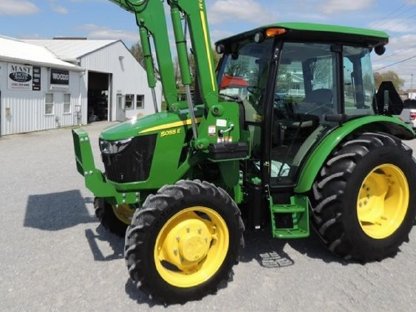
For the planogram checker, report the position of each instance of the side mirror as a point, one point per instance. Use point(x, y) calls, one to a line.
point(388, 100)
point(380, 50)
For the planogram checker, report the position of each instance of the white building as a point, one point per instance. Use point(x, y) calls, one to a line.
point(47, 84)
point(28, 100)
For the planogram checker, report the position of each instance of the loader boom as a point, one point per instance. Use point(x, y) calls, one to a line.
point(151, 19)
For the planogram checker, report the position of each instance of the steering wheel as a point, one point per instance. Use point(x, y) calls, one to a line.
point(283, 108)
point(253, 89)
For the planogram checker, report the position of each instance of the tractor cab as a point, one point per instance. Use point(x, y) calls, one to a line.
point(296, 83)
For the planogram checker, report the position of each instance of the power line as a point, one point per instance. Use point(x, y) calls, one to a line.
point(399, 62)
point(384, 57)
point(401, 12)
point(395, 12)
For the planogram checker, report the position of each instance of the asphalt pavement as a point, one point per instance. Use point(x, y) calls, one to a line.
point(54, 255)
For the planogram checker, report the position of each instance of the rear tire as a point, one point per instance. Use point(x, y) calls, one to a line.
point(109, 219)
point(363, 199)
point(184, 241)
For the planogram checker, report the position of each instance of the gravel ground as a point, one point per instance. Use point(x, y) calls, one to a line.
point(56, 257)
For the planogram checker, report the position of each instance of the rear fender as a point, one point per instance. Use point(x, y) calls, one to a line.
point(316, 159)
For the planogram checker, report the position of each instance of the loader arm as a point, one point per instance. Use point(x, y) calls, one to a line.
point(151, 19)
point(195, 13)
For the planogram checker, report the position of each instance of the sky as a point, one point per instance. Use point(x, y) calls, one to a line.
point(102, 19)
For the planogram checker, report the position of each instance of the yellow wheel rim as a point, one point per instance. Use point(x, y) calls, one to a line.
point(383, 201)
point(191, 247)
point(124, 213)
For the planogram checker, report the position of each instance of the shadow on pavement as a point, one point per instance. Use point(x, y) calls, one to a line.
point(139, 296)
point(269, 253)
point(312, 247)
point(57, 211)
point(115, 242)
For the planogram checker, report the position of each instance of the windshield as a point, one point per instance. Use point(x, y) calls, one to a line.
point(243, 76)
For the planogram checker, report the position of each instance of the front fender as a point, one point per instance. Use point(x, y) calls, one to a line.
point(316, 159)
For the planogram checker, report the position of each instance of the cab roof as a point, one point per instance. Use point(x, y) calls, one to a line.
point(320, 32)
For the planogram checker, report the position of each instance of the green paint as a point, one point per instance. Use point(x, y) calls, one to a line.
point(148, 59)
point(134, 127)
point(238, 189)
point(362, 36)
point(230, 173)
point(318, 157)
point(195, 12)
point(94, 178)
point(181, 46)
point(298, 211)
point(171, 130)
point(332, 29)
point(150, 17)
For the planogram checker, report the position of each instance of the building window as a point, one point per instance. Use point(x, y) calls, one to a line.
point(67, 103)
point(49, 104)
point(129, 103)
point(139, 101)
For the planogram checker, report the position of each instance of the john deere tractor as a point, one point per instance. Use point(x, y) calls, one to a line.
point(286, 133)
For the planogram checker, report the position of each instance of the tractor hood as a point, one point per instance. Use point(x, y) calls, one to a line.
point(146, 125)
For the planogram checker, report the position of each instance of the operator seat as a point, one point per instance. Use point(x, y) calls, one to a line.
point(318, 102)
point(319, 96)
point(305, 117)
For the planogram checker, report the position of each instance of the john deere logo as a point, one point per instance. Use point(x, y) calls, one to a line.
point(20, 77)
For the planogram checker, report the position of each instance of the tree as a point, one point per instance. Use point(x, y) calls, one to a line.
point(192, 65)
point(389, 76)
point(137, 52)
point(367, 81)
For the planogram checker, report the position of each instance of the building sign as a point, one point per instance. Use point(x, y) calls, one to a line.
point(20, 77)
point(59, 77)
point(36, 78)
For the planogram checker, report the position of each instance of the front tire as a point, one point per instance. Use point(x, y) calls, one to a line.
point(363, 199)
point(114, 219)
point(184, 241)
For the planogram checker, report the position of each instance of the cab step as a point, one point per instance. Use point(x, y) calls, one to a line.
point(291, 220)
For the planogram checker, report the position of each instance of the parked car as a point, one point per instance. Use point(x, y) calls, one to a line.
point(409, 112)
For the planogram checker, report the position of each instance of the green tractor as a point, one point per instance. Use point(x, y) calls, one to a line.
point(288, 132)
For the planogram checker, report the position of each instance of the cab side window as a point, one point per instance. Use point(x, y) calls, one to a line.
point(359, 88)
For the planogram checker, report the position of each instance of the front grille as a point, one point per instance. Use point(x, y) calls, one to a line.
point(131, 164)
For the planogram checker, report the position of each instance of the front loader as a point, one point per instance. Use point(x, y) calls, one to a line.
point(287, 134)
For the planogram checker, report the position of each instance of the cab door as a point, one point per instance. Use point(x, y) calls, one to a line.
point(306, 91)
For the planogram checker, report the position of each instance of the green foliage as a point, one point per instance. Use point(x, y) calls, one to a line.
point(192, 66)
point(368, 82)
point(238, 68)
point(389, 76)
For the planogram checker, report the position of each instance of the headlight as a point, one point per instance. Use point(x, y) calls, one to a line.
point(113, 147)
